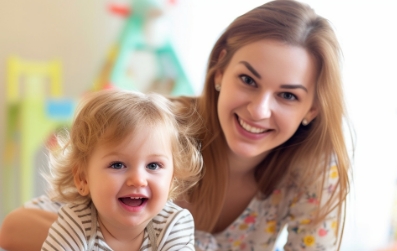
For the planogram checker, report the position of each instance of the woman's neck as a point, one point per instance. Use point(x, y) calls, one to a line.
point(241, 167)
point(241, 175)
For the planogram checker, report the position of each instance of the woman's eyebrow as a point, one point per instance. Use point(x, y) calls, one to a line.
point(251, 69)
point(294, 86)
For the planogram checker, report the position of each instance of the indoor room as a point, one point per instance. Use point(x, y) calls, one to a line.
point(53, 53)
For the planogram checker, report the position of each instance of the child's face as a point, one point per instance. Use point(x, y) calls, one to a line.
point(129, 183)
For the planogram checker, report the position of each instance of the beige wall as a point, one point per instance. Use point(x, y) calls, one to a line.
point(79, 33)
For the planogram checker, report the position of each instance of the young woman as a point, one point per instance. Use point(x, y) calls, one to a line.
point(126, 155)
point(272, 141)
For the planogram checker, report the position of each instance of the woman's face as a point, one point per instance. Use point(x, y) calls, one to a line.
point(267, 89)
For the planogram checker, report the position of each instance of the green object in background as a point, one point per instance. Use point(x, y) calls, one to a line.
point(30, 126)
point(35, 110)
point(144, 58)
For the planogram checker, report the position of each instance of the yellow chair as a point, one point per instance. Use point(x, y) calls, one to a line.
point(33, 99)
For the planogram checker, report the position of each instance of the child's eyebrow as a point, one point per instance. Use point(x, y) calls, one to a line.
point(160, 155)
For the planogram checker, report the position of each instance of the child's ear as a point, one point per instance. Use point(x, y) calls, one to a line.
point(80, 181)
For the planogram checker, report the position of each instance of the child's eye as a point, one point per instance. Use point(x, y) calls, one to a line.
point(153, 166)
point(117, 165)
point(288, 96)
point(247, 80)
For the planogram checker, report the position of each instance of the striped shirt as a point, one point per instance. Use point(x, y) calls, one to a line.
point(173, 228)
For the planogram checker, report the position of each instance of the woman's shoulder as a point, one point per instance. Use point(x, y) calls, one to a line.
point(309, 173)
point(322, 180)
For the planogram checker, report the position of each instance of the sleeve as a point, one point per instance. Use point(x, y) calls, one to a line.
point(44, 203)
point(179, 234)
point(305, 236)
point(66, 233)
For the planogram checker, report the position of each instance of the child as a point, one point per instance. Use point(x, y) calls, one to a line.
point(126, 156)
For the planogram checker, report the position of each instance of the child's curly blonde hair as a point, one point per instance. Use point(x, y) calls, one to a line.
point(108, 117)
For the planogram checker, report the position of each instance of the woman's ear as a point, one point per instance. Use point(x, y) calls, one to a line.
point(219, 74)
point(222, 54)
point(218, 79)
point(312, 113)
point(80, 181)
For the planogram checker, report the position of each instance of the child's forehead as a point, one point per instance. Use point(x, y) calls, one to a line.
point(161, 131)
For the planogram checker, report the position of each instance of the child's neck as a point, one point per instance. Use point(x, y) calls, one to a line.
point(121, 240)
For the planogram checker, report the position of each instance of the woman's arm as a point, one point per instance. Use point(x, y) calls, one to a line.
point(25, 229)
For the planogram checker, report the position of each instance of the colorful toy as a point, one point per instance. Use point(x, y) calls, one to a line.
point(35, 109)
point(144, 59)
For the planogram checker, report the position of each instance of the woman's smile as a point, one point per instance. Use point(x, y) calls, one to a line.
point(250, 128)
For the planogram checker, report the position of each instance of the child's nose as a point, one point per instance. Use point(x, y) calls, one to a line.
point(137, 177)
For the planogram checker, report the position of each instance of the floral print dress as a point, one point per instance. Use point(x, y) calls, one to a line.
point(260, 224)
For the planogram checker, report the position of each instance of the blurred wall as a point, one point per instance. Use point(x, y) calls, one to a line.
point(79, 33)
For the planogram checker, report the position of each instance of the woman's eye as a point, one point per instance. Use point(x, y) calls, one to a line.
point(153, 166)
point(247, 80)
point(288, 96)
point(117, 165)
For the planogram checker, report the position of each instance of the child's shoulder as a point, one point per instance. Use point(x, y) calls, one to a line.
point(171, 214)
point(173, 226)
point(170, 209)
point(43, 202)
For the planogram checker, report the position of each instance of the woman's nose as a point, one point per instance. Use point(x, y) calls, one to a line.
point(260, 106)
point(137, 177)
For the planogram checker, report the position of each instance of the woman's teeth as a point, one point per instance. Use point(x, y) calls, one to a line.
point(250, 128)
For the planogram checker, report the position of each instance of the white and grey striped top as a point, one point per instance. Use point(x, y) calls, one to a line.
point(173, 227)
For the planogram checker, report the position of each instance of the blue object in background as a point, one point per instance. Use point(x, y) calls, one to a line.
point(59, 109)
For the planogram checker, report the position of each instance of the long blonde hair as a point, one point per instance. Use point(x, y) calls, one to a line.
point(108, 117)
point(311, 147)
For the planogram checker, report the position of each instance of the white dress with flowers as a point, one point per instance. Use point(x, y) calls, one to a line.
point(260, 224)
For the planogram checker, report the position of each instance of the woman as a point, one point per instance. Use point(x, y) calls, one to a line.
point(273, 145)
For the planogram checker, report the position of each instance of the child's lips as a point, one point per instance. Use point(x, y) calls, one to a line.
point(133, 201)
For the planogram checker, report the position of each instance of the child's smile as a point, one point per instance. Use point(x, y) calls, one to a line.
point(133, 204)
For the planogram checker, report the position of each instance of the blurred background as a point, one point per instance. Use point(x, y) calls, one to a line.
point(53, 52)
